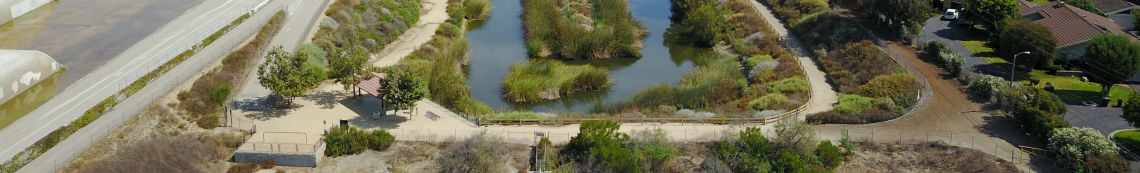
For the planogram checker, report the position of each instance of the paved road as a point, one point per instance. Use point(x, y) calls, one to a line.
point(952, 35)
point(1103, 119)
point(116, 74)
point(823, 95)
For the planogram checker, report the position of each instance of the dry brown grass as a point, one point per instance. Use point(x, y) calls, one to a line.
point(161, 154)
point(922, 157)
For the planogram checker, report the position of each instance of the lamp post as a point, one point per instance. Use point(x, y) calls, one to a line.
point(1013, 67)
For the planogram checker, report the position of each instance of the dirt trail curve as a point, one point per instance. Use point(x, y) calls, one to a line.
point(823, 96)
point(419, 34)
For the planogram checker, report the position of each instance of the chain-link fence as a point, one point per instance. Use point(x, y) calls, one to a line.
point(70, 148)
point(981, 142)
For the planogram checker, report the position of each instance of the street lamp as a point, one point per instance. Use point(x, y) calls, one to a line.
point(1013, 67)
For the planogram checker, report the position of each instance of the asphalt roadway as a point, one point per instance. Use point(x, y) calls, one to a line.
point(120, 71)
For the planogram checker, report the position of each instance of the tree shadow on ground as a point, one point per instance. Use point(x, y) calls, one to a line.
point(264, 108)
point(1075, 97)
point(325, 99)
point(364, 107)
point(1006, 129)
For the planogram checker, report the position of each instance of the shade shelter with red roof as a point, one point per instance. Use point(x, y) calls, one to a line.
point(371, 84)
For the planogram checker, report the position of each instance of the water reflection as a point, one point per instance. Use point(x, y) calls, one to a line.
point(499, 42)
point(27, 101)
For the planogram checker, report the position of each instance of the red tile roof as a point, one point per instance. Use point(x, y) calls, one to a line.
point(1070, 25)
point(371, 84)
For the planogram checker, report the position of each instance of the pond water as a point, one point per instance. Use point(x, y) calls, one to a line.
point(498, 42)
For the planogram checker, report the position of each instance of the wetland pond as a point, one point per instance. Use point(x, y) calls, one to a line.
point(498, 42)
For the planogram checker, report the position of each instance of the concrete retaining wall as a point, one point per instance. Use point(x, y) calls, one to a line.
point(280, 158)
point(10, 9)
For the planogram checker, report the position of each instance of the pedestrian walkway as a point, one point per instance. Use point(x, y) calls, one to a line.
point(422, 32)
point(823, 96)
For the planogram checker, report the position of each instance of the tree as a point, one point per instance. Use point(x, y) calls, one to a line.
point(1023, 35)
point(900, 12)
point(705, 24)
point(1135, 19)
point(403, 88)
point(1111, 59)
point(346, 66)
point(1072, 144)
point(288, 75)
point(991, 14)
point(1132, 111)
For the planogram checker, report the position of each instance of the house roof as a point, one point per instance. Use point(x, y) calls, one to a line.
point(1069, 24)
point(371, 84)
point(1110, 6)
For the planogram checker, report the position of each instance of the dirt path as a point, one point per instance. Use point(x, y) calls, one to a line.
point(422, 32)
point(823, 96)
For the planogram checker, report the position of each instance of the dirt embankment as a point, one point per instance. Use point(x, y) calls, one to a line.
point(922, 157)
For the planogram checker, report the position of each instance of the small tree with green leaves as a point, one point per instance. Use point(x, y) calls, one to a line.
point(1131, 111)
point(1023, 35)
point(403, 88)
point(346, 65)
point(1111, 59)
point(991, 14)
point(1072, 144)
point(288, 75)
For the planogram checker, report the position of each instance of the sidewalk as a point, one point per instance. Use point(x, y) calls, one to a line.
point(823, 96)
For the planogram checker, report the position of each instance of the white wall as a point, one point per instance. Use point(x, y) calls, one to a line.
point(10, 9)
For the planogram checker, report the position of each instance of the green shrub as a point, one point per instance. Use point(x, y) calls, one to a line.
point(1072, 144)
point(856, 64)
point(601, 143)
point(1105, 162)
point(984, 86)
point(825, 30)
point(757, 59)
point(477, 9)
point(539, 80)
point(788, 162)
point(765, 101)
point(517, 116)
point(795, 84)
point(828, 154)
point(219, 93)
point(348, 140)
point(614, 31)
point(900, 88)
point(853, 104)
point(210, 121)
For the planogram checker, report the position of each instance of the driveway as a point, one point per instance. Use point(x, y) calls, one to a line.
point(1104, 119)
point(952, 35)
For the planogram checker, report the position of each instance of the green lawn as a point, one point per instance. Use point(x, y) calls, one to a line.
point(1070, 89)
point(1129, 139)
point(978, 47)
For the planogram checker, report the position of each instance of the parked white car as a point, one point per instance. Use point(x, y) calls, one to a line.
point(951, 14)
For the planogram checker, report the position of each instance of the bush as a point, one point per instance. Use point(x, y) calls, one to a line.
point(765, 101)
point(825, 30)
point(794, 84)
point(1072, 144)
point(788, 162)
point(477, 9)
point(856, 64)
point(516, 116)
point(900, 88)
point(219, 93)
point(1105, 162)
point(539, 80)
point(853, 104)
point(828, 154)
point(210, 121)
point(478, 153)
point(348, 140)
point(753, 60)
point(613, 33)
point(984, 86)
point(748, 153)
point(1040, 123)
point(952, 63)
